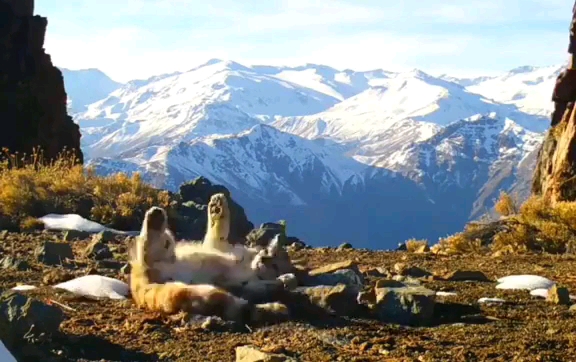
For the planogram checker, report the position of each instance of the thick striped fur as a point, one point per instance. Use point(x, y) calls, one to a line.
point(198, 263)
point(195, 263)
point(169, 277)
point(232, 266)
point(173, 297)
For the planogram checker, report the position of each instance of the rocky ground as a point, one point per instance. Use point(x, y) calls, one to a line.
point(458, 328)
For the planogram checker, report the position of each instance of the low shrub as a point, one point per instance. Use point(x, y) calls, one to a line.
point(31, 188)
point(536, 226)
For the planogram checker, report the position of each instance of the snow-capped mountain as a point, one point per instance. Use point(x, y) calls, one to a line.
point(219, 97)
point(470, 160)
point(85, 87)
point(325, 195)
point(529, 88)
point(362, 156)
point(405, 108)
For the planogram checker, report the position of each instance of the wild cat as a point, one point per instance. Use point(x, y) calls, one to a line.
point(173, 297)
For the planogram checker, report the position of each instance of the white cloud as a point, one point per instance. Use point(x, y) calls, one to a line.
point(470, 12)
point(380, 50)
point(134, 49)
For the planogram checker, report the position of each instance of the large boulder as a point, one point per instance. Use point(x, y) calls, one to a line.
point(261, 236)
point(555, 174)
point(22, 317)
point(32, 95)
point(193, 214)
point(400, 303)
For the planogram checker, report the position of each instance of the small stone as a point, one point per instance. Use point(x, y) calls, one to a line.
point(347, 264)
point(109, 264)
point(402, 247)
point(91, 271)
point(251, 354)
point(558, 295)
point(53, 253)
point(104, 237)
point(422, 249)
point(55, 276)
point(97, 250)
point(208, 323)
point(345, 246)
point(409, 270)
point(466, 275)
point(366, 297)
point(350, 277)
point(387, 283)
point(339, 299)
point(375, 272)
point(346, 272)
point(71, 235)
point(289, 281)
point(212, 323)
point(406, 279)
point(9, 262)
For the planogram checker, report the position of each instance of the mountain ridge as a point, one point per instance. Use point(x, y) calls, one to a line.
point(354, 144)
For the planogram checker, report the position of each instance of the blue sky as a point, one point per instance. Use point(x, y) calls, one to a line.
point(130, 39)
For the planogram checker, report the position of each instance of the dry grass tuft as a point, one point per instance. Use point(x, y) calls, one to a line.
point(535, 226)
point(30, 223)
point(31, 188)
point(416, 245)
point(506, 205)
point(459, 243)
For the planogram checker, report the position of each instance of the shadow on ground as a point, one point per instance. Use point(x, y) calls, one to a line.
point(449, 313)
point(79, 348)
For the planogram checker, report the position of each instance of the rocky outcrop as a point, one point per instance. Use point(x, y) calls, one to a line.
point(193, 214)
point(555, 175)
point(32, 95)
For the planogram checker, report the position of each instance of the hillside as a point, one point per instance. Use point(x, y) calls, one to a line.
point(519, 326)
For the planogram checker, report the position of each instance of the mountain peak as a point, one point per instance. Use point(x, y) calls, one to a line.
point(414, 73)
point(523, 69)
point(226, 64)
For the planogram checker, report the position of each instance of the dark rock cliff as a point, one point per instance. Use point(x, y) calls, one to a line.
point(32, 96)
point(555, 174)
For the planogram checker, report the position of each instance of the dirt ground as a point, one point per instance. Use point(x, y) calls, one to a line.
point(526, 328)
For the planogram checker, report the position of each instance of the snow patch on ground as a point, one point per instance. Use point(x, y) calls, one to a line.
point(77, 222)
point(96, 286)
point(528, 282)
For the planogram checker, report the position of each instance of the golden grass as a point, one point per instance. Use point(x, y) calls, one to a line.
point(31, 188)
point(506, 205)
point(30, 223)
point(416, 245)
point(535, 226)
point(459, 243)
